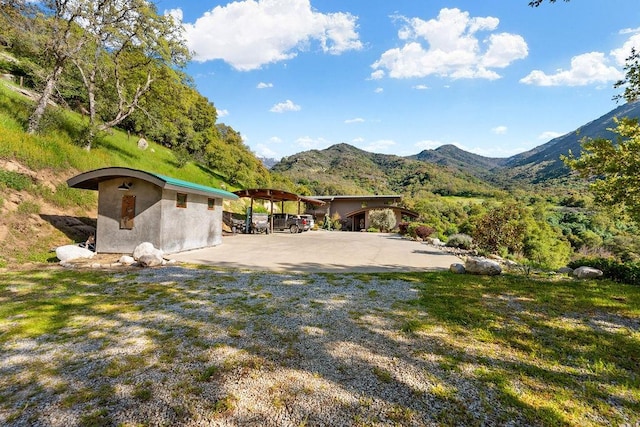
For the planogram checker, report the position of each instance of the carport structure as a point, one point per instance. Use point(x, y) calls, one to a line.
point(276, 196)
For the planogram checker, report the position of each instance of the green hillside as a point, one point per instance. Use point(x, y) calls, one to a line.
point(344, 169)
point(37, 208)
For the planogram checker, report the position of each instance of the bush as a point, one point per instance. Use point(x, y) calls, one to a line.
point(423, 231)
point(403, 228)
point(461, 241)
point(383, 219)
point(628, 273)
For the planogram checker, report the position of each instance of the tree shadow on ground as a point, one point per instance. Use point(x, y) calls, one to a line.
point(188, 346)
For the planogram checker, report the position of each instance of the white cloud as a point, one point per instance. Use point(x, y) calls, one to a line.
point(449, 46)
point(263, 150)
point(176, 14)
point(248, 34)
point(549, 135)
point(379, 146)
point(428, 144)
point(621, 54)
point(275, 140)
point(287, 105)
point(356, 120)
point(309, 143)
point(378, 90)
point(586, 69)
point(499, 130)
point(222, 113)
point(263, 85)
point(421, 87)
point(377, 75)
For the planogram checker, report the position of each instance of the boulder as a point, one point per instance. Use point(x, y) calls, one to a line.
point(482, 266)
point(587, 273)
point(126, 260)
point(146, 248)
point(69, 252)
point(457, 268)
point(150, 260)
point(143, 144)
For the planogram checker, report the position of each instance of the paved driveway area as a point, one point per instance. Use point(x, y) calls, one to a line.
point(321, 251)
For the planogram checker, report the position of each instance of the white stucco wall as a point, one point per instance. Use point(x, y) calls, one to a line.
point(193, 227)
point(110, 238)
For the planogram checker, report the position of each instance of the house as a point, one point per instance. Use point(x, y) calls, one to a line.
point(354, 210)
point(135, 206)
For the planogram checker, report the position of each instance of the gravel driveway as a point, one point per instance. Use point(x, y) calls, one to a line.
point(193, 347)
point(321, 251)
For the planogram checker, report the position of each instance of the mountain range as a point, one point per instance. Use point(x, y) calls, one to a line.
point(344, 169)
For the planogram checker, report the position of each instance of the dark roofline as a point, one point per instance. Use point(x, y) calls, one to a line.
point(91, 179)
point(359, 197)
point(277, 196)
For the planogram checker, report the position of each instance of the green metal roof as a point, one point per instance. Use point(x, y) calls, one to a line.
point(90, 180)
point(193, 186)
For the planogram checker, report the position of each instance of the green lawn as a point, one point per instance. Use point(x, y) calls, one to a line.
point(491, 350)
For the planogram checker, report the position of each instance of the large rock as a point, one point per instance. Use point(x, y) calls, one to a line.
point(126, 260)
point(483, 266)
point(150, 260)
point(587, 273)
point(69, 252)
point(146, 248)
point(457, 268)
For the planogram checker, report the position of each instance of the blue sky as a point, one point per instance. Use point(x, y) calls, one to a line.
point(494, 77)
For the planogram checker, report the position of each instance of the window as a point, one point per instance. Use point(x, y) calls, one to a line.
point(211, 204)
point(181, 200)
point(127, 212)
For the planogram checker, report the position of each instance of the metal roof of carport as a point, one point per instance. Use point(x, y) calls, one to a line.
point(277, 196)
point(90, 180)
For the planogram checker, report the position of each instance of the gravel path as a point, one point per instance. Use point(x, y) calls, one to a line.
point(198, 347)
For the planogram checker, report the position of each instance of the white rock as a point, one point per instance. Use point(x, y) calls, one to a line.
point(483, 266)
point(587, 273)
point(146, 248)
point(126, 260)
point(69, 252)
point(150, 260)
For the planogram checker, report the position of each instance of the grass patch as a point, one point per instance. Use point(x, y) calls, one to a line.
point(514, 350)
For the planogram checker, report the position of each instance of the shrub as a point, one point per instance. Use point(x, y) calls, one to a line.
point(628, 273)
point(461, 241)
point(421, 230)
point(424, 231)
point(403, 228)
point(383, 219)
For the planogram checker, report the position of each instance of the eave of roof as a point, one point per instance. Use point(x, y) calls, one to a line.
point(277, 196)
point(359, 197)
point(91, 179)
point(403, 211)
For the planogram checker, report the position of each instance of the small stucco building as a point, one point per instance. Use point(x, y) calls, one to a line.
point(354, 210)
point(135, 206)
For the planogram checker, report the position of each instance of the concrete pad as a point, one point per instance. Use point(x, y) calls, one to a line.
point(321, 251)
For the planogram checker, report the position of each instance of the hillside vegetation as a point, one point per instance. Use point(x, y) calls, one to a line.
point(345, 169)
point(37, 209)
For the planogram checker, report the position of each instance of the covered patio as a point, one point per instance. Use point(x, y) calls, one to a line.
point(274, 196)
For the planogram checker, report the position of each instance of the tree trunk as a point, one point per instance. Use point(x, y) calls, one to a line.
point(36, 116)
